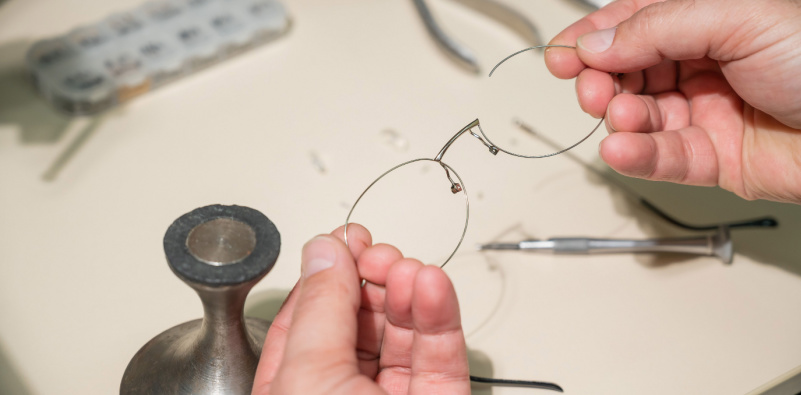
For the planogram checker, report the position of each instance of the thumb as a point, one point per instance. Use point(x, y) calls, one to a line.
point(322, 338)
point(676, 30)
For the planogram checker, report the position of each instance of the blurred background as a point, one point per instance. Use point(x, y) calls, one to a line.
point(297, 127)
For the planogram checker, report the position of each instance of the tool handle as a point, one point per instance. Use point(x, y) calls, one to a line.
point(702, 245)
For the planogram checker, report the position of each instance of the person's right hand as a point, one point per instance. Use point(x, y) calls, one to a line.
point(710, 95)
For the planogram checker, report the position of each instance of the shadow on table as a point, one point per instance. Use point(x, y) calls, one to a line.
point(480, 365)
point(10, 380)
point(20, 102)
point(265, 304)
point(582, 5)
point(701, 206)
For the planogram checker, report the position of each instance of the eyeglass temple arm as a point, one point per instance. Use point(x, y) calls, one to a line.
point(762, 222)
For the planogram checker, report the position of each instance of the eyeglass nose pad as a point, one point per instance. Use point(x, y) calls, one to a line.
point(493, 150)
point(456, 187)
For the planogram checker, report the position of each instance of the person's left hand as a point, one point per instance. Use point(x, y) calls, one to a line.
point(399, 334)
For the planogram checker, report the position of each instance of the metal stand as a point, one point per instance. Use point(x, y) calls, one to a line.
point(221, 252)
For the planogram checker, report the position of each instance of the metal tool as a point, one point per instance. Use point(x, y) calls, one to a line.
point(221, 252)
point(500, 12)
point(718, 245)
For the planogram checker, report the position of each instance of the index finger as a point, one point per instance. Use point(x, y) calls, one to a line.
point(563, 62)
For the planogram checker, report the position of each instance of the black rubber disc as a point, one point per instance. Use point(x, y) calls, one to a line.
point(252, 267)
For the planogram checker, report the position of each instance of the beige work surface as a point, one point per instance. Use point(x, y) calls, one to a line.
point(297, 129)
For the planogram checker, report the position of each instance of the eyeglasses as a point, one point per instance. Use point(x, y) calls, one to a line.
point(474, 129)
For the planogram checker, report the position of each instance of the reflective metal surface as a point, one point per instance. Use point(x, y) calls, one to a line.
point(198, 358)
point(221, 241)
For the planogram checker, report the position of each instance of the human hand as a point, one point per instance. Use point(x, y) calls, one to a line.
point(710, 92)
point(400, 333)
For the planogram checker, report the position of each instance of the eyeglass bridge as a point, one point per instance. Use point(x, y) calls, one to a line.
point(455, 186)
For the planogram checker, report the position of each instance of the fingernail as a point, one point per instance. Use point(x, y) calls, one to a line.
point(597, 41)
point(318, 254)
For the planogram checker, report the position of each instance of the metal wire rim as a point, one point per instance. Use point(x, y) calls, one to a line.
point(536, 156)
point(443, 164)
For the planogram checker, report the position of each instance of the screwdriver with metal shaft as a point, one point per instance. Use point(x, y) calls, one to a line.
point(718, 245)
